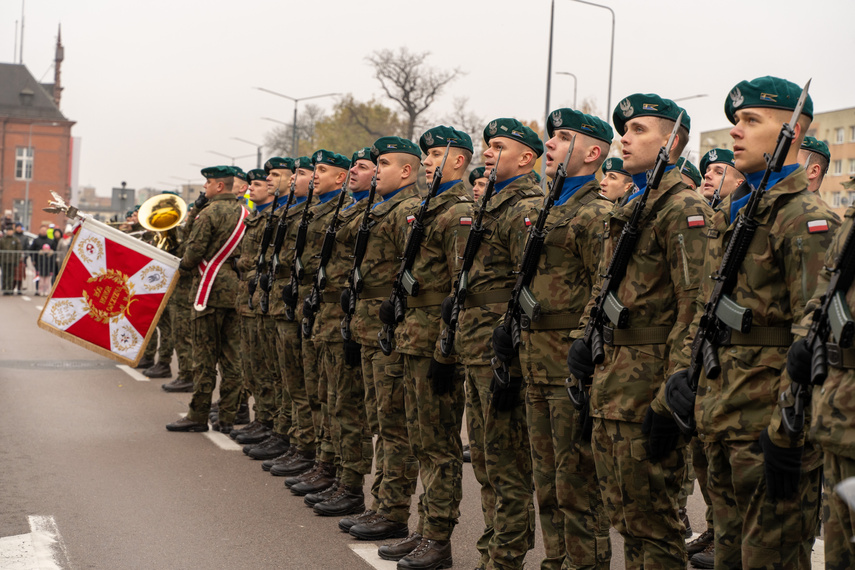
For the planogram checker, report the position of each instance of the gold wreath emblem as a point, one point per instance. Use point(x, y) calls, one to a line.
point(125, 338)
point(153, 278)
point(90, 249)
point(108, 295)
point(63, 313)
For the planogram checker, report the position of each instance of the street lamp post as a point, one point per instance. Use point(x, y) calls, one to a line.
point(575, 83)
point(294, 142)
point(256, 145)
point(232, 158)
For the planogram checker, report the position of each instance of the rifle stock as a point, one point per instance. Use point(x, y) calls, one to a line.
point(356, 282)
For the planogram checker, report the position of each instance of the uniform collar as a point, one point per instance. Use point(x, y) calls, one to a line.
point(571, 185)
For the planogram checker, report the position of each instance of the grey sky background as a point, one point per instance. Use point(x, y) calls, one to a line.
point(153, 85)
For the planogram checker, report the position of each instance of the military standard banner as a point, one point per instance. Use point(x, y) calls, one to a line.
point(110, 292)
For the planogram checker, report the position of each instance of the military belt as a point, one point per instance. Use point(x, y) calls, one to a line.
point(761, 336)
point(840, 357)
point(331, 296)
point(375, 292)
point(429, 299)
point(556, 321)
point(635, 336)
point(487, 298)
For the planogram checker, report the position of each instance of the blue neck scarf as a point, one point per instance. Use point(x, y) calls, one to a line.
point(390, 195)
point(640, 180)
point(324, 198)
point(262, 207)
point(501, 185)
point(571, 184)
point(754, 180)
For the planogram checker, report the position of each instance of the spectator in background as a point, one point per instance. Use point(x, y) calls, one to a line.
point(10, 256)
point(43, 258)
point(21, 269)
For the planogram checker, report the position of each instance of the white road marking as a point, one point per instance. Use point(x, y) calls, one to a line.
point(41, 549)
point(25, 298)
point(132, 373)
point(219, 439)
point(368, 552)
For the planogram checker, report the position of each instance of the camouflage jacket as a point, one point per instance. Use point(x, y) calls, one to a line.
point(659, 290)
point(211, 230)
point(9, 244)
point(562, 285)
point(286, 258)
point(437, 263)
point(506, 222)
point(328, 320)
point(246, 264)
point(382, 259)
point(833, 404)
point(776, 280)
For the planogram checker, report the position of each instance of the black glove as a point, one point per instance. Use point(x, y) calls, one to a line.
point(387, 313)
point(798, 362)
point(503, 345)
point(783, 466)
point(506, 398)
point(308, 312)
point(586, 424)
point(663, 434)
point(345, 300)
point(579, 361)
point(441, 377)
point(352, 353)
point(445, 309)
point(679, 396)
point(288, 296)
point(201, 201)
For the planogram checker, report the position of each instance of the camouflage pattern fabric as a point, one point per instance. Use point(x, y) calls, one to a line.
point(286, 257)
point(182, 335)
point(696, 470)
point(268, 360)
point(293, 409)
point(839, 524)
point(311, 384)
point(9, 259)
point(369, 357)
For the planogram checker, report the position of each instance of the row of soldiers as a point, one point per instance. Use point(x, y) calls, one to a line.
point(350, 306)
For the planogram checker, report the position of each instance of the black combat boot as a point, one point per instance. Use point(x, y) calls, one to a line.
point(347, 500)
point(398, 550)
point(346, 524)
point(313, 499)
point(428, 555)
point(299, 463)
point(323, 479)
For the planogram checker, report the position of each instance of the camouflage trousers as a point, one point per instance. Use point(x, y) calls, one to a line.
point(348, 424)
point(311, 385)
point(573, 520)
point(161, 342)
point(696, 469)
point(291, 415)
point(182, 335)
point(839, 521)
point(266, 369)
point(371, 417)
point(750, 529)
point(433, 427)
point(501, 459)
point(326, 448)
point(640, 495)
point(216, 340)
point(400, 467)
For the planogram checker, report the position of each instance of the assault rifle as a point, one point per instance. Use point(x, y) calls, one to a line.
point(716, 197)
point(320, 280)
point(522, 299)
point(461, 285)
point(261, 264)
point(607, 305)
point(356, 281)
point(721, 313)
point(265, 279)
point(297, 269)
point(405, 282)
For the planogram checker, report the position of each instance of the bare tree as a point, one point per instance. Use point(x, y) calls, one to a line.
point(465, 120)
point(280, 139)
point(409, 81)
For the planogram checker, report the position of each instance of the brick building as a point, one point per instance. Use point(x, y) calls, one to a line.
point(35, 143)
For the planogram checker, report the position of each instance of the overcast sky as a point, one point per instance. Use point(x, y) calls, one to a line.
point(154, 85)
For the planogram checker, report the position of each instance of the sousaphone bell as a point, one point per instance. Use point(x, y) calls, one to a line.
point(162, 214)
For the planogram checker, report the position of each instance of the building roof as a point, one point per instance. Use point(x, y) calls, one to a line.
point(15, 79)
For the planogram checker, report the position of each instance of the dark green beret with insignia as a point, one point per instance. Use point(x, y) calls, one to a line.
point(815, 145)
point(173, 192)
point(614, 165)
point(129, 213)
point(278, 162)
point(323, 156)
point(690, 170)
point(218, 172)
point(302, 162)
point(647, 105)
point(238, 172)
point(716, 155)
point(256, 174)
point(581, 123)
point(387, 145)
point(515, 130)
point(768, 91)
point(361, 154)
point(439, 136)
point(476, 174)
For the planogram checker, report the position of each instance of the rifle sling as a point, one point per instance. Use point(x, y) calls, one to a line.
point(635, 336)
point(427, 299)
point(487, 298)
point(840, 357)
point(556, 321)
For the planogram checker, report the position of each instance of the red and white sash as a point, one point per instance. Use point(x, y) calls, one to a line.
point(209, 269)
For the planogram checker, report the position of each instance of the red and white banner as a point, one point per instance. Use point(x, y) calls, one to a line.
point(110, 292)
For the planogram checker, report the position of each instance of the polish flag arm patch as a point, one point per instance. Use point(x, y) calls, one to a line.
point(410, 219)
point(817, 226)
point(527, 221)
point(466, 221)
point(696, 221)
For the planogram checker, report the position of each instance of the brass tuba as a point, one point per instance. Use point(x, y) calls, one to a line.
point(162, 214)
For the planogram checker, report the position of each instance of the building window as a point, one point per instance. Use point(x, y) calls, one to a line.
point(852, 134)
point(838, 168)
point(835, 200)
point(851, 198)
point(852, 166)
point(838, 138)
point(24, 163)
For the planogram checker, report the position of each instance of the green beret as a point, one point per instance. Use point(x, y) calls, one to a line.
point(690, 170)
point(515, 130)
point(614, 165)
point(439, 136)
point(129, 213)
point(136, 208)
point(256, 174)
point(173, 192)
point(815, 145)
point(647, 105)
point(581, 123)
point(361, 154)
point(218, 172)
point(331, 158)
point(716, 155)
point(768, 91)
point(387, 145)
point(278, 162)
point(238, 172)
point(302, 162)
point(476, 174)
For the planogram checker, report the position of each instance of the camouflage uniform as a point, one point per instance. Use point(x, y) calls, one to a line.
point(659, 290)
point(182, 314)
point(572, 519)
point(9, 259)
point(775, 281)
point(434, 421)
point(216, 330)
point(498, 441)
point(400, 467)
point(162, 341)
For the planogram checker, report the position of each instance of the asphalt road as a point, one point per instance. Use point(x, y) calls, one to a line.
point(84, 443)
